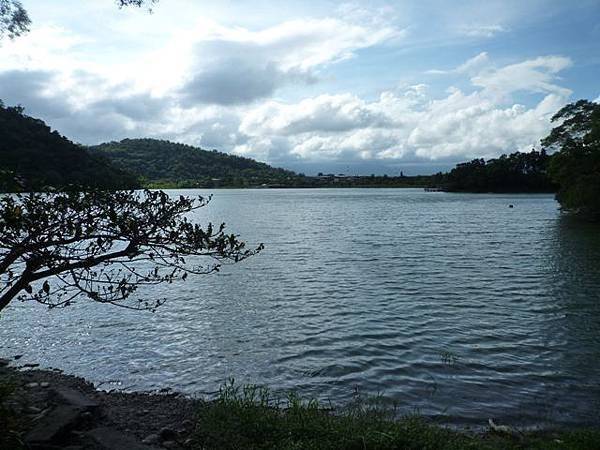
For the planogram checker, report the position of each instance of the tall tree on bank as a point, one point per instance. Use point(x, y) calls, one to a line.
point(575, 166)
point(103, 246)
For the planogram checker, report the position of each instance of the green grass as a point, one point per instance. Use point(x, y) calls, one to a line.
point(250, 418)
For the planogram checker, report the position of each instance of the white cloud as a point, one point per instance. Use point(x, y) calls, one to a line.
point(535, 75)
point(409, 124)
point(482, 31)
point(471, 65)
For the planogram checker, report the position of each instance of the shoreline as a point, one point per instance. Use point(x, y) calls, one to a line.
point(64, 410)
point(67, 411)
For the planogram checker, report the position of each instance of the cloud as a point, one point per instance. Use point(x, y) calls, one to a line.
point(471, 65)
point(237, 66)
point(535, 75)
point(410, 125)
point(482, 31)
point(325, 113)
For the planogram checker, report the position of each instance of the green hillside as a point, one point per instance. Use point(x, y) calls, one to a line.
point(167, 164)
point(33, 157)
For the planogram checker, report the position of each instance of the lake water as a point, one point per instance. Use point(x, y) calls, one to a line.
point(452, 305)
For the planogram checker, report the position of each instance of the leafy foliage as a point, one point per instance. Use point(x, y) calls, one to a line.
point(33, 157)
point(517, 172)
point(167, 164)
point(14, 20)
point(104, 245)
point(576, 164)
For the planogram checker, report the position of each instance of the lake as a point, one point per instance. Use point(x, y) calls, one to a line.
point(454, 306)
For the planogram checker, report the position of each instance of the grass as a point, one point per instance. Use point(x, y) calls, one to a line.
point(11, 424)
point(251, 418)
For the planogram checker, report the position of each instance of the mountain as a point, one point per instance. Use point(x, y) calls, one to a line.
point(33, 157)
point(167, 164)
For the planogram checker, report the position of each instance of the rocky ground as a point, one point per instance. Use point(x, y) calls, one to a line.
point(64, 411)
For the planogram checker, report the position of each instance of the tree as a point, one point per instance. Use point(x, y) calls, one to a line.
point(103, 245)
point(14, 20)
point(575, 166)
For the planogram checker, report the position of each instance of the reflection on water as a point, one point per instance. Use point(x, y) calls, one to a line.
point(454, 305)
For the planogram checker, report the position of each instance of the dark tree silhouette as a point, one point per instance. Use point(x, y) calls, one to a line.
point(105, 245)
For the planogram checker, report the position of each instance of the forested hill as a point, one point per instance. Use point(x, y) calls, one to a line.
point(167, 164)
point(33, 157)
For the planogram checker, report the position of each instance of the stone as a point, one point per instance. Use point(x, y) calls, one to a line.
point(45, 384)
point(166, 434)
point(111, 439)
point(187, 424)
point(52, 426)
point(30, 366)
point(151, 439)
point(4, 362)
point(170, 444)
point(76, 398)
point(32, 385)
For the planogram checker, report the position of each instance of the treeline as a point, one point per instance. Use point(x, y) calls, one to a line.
point(33, 157)
point(517, 172)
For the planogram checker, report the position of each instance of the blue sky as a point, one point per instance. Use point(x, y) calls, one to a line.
point(355, 87)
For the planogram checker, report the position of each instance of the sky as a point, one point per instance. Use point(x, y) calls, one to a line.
point(315, 86)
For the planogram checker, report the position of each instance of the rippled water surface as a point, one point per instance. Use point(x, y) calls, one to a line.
point(456, 306)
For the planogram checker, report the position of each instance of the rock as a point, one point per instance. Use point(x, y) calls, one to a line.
point(111, 439)
point(151, 439)
point(32, 385)
point(75, 398)
point(30, 366)
point(166, 434)
point(187, 424)
point(4, 362)
point(170, 444)
point(52, 426)
point(45, 384)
